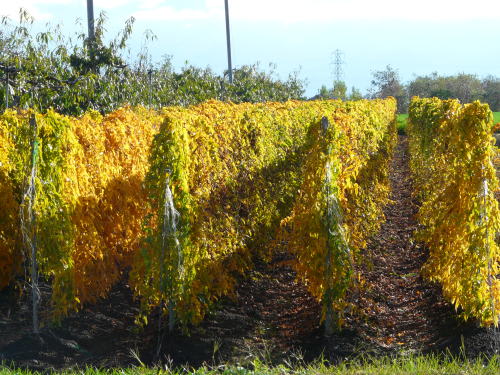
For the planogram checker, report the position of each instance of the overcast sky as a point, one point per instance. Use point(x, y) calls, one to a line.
point(415, 37)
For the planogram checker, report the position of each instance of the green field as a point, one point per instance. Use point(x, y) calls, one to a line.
point(496, 117)
point(401, 126)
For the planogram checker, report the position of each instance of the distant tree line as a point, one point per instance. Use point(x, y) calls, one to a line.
point(74, 74)
point(465, 87)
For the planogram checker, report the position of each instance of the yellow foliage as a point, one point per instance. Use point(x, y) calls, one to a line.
point(89, 198)
point(451, 148)
point(9, 213)
point(234, 172)
point(108, 175)
point(344, 188)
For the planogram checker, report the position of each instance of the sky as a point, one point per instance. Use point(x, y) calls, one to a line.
point(414, 37)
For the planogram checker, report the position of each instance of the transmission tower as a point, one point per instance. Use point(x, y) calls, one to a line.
point(338, 62)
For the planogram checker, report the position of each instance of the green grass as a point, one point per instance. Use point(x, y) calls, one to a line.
point(496, 117)
point(406, 365)
point(401, 125)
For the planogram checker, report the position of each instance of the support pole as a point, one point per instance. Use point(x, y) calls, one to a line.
point(150, 79)
point(167, 282)
point(91, 34)
point(7, 90)
point(329, 318)
point(35, 291)
point(228, 37)
point(28, 227)
point(484, 220)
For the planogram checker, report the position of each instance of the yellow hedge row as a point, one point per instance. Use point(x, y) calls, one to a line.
point(187, 213)
point(9, 215)
point(451, 148)
point(343, 190)
point(223, 176)
point(89, 202)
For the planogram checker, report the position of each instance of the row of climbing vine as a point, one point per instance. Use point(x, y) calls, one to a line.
point(343, 190)
point(451, 149)
point(182, 199)
point(224, 176)
point(89, 202)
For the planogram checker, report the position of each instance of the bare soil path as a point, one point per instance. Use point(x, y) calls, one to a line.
point(405, 311)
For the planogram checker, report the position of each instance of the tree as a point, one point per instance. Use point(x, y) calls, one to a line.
point(355, 94)
point(339, 90)
point(465, 87)
point(323, 93)
point(49, 70)
point(386, 83)
point(491, 87)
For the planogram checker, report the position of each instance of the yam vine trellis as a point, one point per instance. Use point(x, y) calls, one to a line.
point(181, 200)
point(451, 148)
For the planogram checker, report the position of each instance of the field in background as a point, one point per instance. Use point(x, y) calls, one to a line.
point(496, 117)
point(401, 126)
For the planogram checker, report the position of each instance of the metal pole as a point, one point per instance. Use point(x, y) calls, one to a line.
point(150, 79)
point(91, 39)
point(228, 35)
point(7, 91)
point(90, 18)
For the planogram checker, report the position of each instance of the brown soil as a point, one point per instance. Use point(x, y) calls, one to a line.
point(404, 312)
point(271, 316)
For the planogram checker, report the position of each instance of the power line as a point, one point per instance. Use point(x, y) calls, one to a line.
point(338, 62)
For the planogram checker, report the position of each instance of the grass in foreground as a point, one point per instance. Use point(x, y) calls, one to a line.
point(410, 365)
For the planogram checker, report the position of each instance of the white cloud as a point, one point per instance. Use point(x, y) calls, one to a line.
point(38, 8)
point(169, 13)
point(134, 4)
point(34, 8)
point(110, 4)
point(293, 11)
point(283, 11)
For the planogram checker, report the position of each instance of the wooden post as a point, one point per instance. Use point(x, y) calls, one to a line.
point(329, 319)
point(171, 316)
point(169, 237)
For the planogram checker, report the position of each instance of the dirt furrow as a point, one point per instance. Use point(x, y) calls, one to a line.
point(407, 312)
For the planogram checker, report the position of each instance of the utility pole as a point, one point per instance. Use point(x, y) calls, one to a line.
point(228, 36)
point(90, 18)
